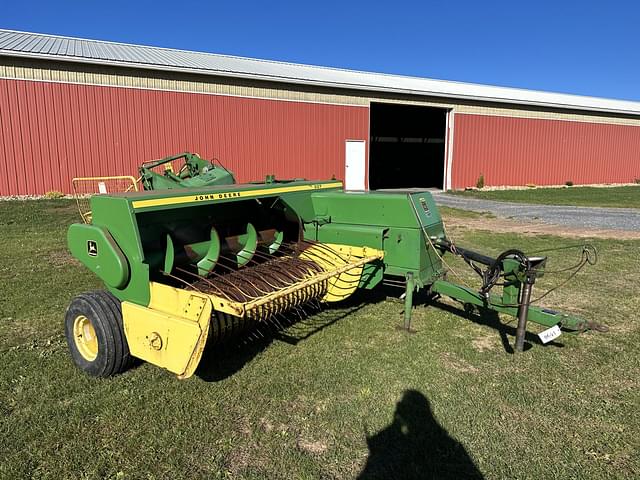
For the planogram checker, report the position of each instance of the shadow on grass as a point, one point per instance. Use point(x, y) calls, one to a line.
point(415, 446)
point(220, 361)
point(490, 318)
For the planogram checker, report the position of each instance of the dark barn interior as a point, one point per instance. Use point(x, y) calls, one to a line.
point(407, 146)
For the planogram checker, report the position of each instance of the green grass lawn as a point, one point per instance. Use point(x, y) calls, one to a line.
point(628, 196)
point(342, 392)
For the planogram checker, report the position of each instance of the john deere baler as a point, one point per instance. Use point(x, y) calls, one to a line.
point(181, 266)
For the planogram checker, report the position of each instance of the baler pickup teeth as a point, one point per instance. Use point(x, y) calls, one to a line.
point(310, 272)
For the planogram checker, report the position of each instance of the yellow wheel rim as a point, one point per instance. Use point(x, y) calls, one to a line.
point(85, 338)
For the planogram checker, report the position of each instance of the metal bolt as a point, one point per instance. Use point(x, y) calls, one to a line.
point(155, 341)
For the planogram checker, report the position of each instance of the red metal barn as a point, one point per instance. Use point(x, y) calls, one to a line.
point(72, 107)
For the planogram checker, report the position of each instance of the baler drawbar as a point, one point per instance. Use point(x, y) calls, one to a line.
point(185, 267)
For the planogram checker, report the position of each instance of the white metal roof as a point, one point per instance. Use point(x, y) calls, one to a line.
point(54, 47)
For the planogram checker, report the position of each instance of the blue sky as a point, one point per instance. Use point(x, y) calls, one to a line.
point(582, 47)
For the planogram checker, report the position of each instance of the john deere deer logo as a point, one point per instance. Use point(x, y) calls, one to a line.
point(92, 248)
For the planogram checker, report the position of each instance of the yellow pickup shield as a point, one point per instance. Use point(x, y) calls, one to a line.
point(172, 331)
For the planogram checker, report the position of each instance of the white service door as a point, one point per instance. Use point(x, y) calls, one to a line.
point(354, 165)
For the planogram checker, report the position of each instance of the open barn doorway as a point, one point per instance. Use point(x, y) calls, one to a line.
point(407, 146)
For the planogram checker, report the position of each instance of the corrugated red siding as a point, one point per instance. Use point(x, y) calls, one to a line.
point(517, 151)
point(51, 132)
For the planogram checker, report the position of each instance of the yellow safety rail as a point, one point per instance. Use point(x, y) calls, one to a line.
point(85, 187)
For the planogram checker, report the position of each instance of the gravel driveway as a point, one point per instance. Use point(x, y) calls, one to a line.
point(573, 217)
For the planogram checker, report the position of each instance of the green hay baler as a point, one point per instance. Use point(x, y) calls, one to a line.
point(184, 265)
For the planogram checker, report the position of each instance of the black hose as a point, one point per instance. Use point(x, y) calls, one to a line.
point(492, 274)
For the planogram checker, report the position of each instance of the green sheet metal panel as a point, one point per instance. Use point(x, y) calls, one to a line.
point(400, 216)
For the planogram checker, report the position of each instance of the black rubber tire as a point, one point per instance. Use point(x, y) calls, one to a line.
point(104, 312)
